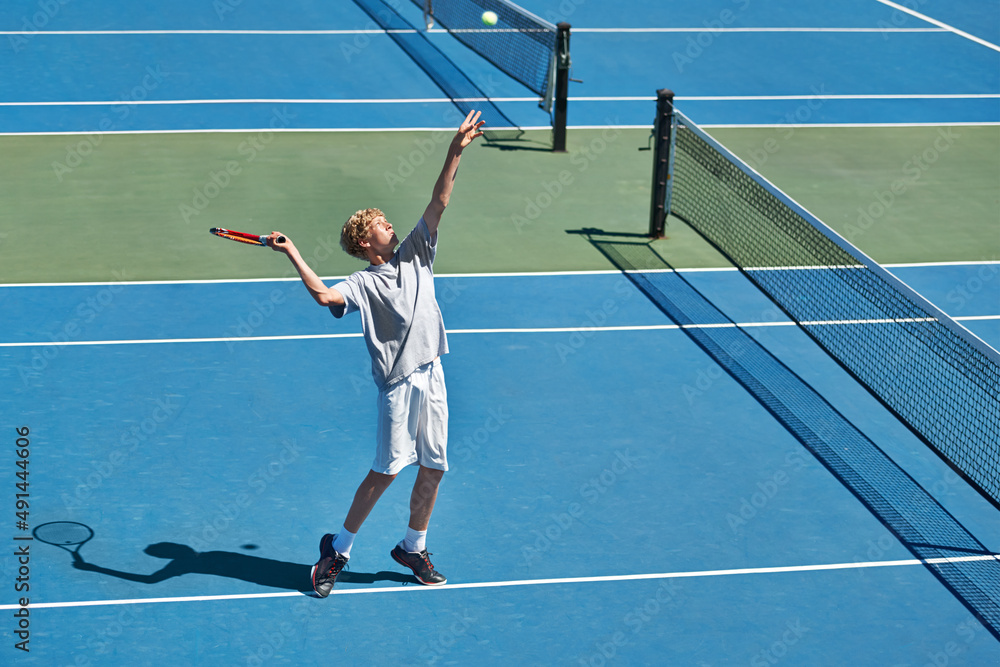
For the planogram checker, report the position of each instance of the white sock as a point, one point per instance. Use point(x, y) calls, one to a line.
point(415, 541)
point(342, 544)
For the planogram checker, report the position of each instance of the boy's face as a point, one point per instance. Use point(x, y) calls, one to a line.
point(381, 237)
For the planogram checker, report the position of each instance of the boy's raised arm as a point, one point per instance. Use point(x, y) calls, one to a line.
point(466, 134)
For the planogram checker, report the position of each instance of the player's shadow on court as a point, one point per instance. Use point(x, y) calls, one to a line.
point(254, 569)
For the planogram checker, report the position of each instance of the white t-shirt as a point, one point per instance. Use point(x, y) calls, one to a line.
point(400, 317)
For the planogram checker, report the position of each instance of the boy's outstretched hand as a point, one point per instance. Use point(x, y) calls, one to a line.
point(469, 129)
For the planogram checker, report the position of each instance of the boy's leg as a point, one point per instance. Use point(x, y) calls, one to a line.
point(368, 493)
point(365, 498)
point(425, 490)
point(334, 551)
point(411, 552)
point(432, 450)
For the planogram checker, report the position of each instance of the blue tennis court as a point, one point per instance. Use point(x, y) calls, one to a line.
point(124, 68)
point(582, 518)
point(615, 495)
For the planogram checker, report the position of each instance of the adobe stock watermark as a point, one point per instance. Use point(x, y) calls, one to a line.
point(800, 115)
point(877, 549)
point(635, 620)
point(592, 491)
point(464, 449)
point(224, 7)
point(968, 631)
point(791, 635)
point(449, 289)
point(362, 40)
point(85, 312)
point(898, 18)
point(270, 643)
point(707, 377)
point(80, 150)
point(443, 640)
point(765, 491)
point(563, 11)
point(227, 512)
point(594, 319)
point(912, 171)
point(424, 147)
point(260, 311)
point(962, 293)
point(479, 438)
point(551, 190)
point(130, 439)
point(248, 150)
point(31, 24)
point(103, 641)
point(696, 45)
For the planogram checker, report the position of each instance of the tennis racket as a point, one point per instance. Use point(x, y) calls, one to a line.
point(68, 535)
point(243, 237)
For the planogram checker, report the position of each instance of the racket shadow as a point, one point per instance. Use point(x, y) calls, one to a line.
point(267, 572)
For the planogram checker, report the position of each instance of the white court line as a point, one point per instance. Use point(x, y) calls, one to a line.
point(901, 265)
point(515, 274)
point(527, 582)
point(915, 96)
point(546, 128)
point(713, 30)
point(976, 318)
point(372, 100)
point(779, 98)
point(446, 100)
point(940, 24)
point(155, 341)
point(322, 130)
point(63, 33)
point(798, 126)
point(508, 330)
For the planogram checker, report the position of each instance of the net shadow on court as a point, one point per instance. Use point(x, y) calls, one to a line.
point(949, 551)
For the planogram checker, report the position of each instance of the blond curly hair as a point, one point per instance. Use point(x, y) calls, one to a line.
point(356, 230)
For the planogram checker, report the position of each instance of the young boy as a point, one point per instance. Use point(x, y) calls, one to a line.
point(405, 335)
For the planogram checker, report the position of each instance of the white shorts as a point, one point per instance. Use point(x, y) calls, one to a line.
point(413, 422)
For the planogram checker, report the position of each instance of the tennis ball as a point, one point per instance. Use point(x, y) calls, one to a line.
point(490, 18)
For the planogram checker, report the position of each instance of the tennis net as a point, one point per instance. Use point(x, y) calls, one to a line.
point(937, 377)
point(450, 78)
point(526, 47)
point(520, 44)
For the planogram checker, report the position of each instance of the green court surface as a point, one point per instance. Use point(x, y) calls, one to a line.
point(114, 207)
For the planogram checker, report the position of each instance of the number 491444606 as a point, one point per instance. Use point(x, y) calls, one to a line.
point(22, 453)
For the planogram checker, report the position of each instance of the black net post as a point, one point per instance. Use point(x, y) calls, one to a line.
point(661, 162)
point(562, 88)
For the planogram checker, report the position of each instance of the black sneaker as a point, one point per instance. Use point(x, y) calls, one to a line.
point(324, 573)
point(420, 564)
